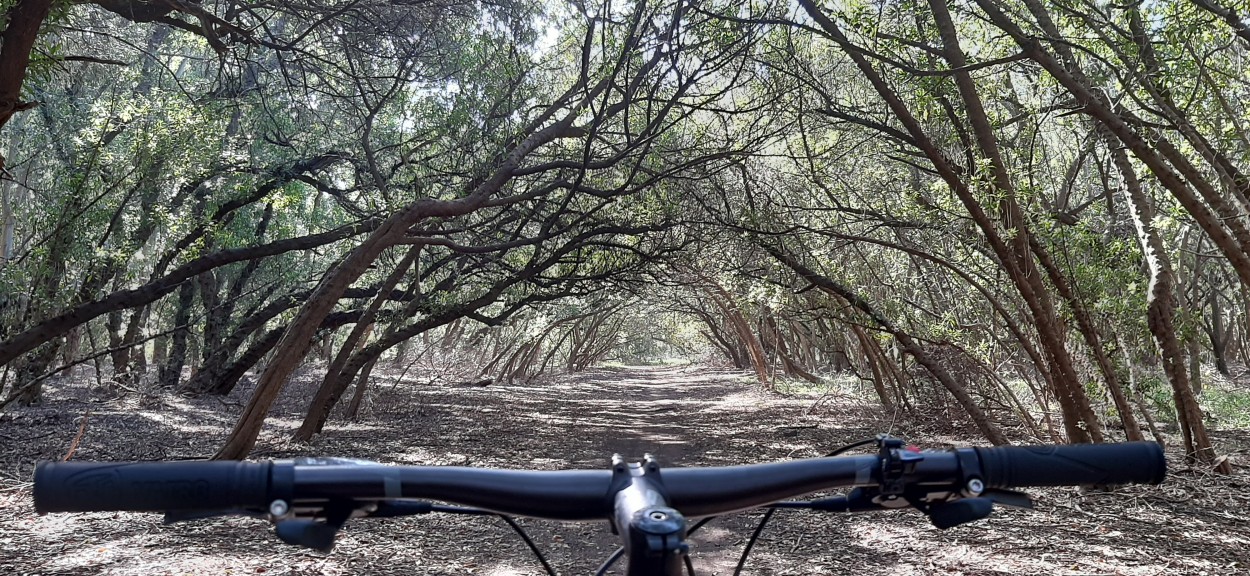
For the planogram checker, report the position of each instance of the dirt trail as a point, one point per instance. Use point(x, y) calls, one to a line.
point(685, 416)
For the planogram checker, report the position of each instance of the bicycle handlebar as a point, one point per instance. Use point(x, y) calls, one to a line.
point(1021, 466)
point(574, 495)
point(151, 486)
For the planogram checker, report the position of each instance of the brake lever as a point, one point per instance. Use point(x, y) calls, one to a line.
point(957, 508)
point(311, 533)
point(966, 501)
point(952, 513)
point(1009, 498)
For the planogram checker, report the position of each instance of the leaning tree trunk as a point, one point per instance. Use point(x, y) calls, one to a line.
point(1160, 315)
point(325, 397)
point(1020, 246)
point(755, 351)
point(875, 363)
point(295, 341)
point(171, 371)
point(956, 390)
point(358, 395)
point(789, 364)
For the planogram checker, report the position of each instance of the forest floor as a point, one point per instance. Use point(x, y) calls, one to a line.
point(1194, 523)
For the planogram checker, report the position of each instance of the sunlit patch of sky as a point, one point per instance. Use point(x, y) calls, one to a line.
point(548, 35)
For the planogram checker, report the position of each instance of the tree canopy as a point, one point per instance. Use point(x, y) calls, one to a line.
point(1033, 212)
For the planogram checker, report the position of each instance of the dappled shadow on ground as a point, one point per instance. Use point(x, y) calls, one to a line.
point(685, 416)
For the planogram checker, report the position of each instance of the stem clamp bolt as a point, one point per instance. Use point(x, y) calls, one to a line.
point(279, 508)
point(975, 486)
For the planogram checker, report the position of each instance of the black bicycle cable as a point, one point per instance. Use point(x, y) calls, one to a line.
point(699, 525)
point(746, 551)
point(620, 551)
point(528, 542)
point(507, 520)
point(612, 558)
point(851, 446)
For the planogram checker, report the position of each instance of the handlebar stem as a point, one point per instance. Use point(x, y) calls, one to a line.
point(653, 533)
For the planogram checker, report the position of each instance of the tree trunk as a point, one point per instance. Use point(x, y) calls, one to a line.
point(325, 398)
point(789, 364)
point(358, 395)
point(28, 381)
point(1219, 340)
point(296, 339)
point(228, 377)
point(913, 348)
point(24, 20)
point(1160, 314)
point(171, 371)
point(870, 353)
point(755, 351)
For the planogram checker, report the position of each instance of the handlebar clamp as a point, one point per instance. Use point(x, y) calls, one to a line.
point(897, 463)
point(654, 534)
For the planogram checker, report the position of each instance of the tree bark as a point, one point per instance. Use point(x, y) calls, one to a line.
point(295, 342)
point(358, 395)
point(78, 315)
point(956, 390)
point(755, 351)
point(871, 357)
point(1160, 314)
point(1217, 334)
point(24, 20)
point(789, 364)
point(322, 401)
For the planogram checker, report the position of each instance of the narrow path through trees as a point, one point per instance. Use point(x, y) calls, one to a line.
point(684, 415)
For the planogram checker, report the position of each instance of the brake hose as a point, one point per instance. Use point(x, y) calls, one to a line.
point(746, 551)
point(528, 542)
point(507, 520)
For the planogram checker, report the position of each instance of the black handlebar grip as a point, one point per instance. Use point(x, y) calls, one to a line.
point(1078, 464)
point(151, 486)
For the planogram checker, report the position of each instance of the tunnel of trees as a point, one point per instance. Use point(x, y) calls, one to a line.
point(1031, 212)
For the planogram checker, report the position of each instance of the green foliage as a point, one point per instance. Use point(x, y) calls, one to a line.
point(1158, 393)
point(702, 137)
point(1227, 407)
